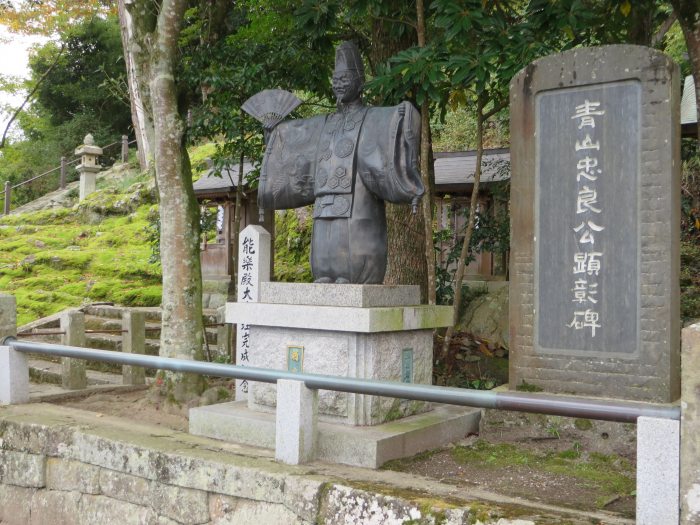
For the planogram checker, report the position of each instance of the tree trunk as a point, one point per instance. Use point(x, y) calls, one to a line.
point(462, 262)
point(427, 171)
point(688, 12)
point(141, 116)
point(156, 37)
point(405, 230)
point(237, 218)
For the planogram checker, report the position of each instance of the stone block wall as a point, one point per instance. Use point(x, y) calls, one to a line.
point(41, 490)
point(61, 466)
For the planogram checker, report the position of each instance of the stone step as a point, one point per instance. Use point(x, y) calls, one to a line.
point(109, 317)
point(93, 322)
point(38, 374)
point(153, 314)
point(43, 371)
point(110, 311)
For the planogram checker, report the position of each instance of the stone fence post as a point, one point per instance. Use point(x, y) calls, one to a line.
point(133, 342)
point(14, 369)
point(296, 422)
point(690, 426)
point(73, 376)
point(224, 333)
point(64, 173)
point(125, 149)
point(8, 196)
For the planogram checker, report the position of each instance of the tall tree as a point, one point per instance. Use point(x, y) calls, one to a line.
point(156, 26)
point(49, 17)
point(76, 72)
point(141, 116)
point(394, 29)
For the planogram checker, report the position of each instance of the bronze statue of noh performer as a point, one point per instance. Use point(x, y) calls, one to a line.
point(347, 164)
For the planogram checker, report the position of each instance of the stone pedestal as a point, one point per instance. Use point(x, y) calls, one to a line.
point(364, 331)
point(88, 181)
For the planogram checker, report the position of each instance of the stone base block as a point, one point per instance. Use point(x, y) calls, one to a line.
point(658, 471)
point(14, 377)
point(368, 447)
point(88, 183)
point(377, 356)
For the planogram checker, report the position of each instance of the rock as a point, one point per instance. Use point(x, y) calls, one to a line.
point(234, 511)
point(14, 504)
point(24, 470)
point(39, 244)
point(69, 475)
point(56, 507)
point(487, 317)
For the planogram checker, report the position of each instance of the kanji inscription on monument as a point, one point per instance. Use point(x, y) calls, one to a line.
point(586, 219)
point(253, 268)
point(595, 221)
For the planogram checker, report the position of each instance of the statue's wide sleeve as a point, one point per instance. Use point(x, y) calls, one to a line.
point(289, 164)
point(387, 156)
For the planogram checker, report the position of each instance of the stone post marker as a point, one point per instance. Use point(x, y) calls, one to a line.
point(133, 342)
point(88, 167)
point(253, 268)
point(73, 370)
point(690, 427)
point(14, 368)
point(296, 422)
point(595, 154)
point(8, 198)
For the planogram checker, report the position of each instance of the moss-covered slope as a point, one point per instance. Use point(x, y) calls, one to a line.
point(97, 250)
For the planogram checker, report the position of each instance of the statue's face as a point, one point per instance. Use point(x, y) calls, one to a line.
point(347, 86)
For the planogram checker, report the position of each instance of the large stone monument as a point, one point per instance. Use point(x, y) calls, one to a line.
point(594, 299)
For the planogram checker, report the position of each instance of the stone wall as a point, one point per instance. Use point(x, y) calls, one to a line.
point(62, 466)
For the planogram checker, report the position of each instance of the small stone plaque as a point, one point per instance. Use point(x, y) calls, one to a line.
point(295, 359)
point(407, 365)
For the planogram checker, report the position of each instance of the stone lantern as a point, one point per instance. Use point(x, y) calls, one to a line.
point(88, 167)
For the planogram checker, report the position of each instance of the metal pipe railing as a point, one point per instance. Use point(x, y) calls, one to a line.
point(570, 406)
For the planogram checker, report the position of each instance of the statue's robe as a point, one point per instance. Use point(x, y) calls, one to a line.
point(347, 164)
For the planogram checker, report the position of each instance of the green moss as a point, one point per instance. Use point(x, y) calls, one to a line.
point(222, 394)
point(198, 157)
point(293, 245)
point(528, 387)
point(54, 259)
point(405, 464)
point(583, 424)
point(611, 475)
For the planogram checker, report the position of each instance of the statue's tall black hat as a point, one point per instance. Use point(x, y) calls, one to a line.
point(347, 58)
